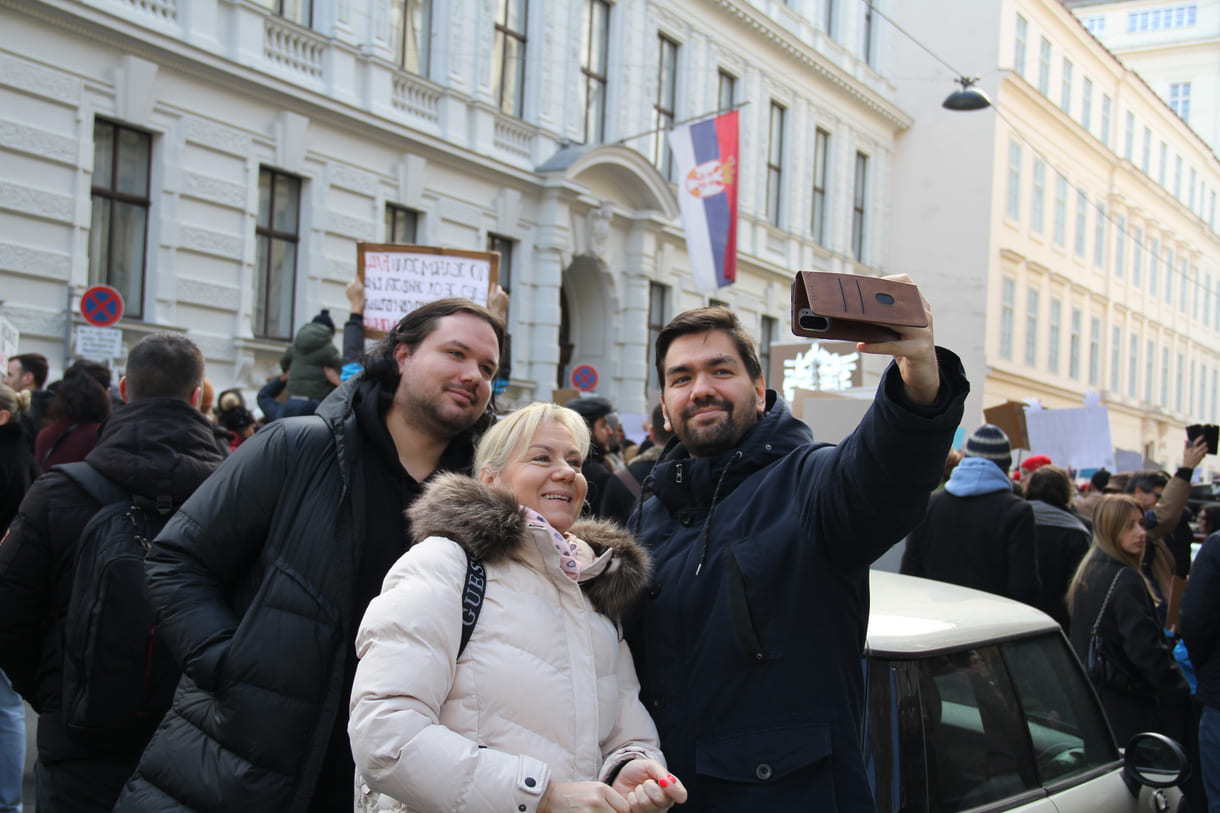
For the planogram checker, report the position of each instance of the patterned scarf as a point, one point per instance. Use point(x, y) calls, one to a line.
point(566, 548)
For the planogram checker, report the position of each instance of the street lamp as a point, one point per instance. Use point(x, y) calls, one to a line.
point(968, 98)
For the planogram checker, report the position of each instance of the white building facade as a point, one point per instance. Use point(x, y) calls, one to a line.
point(1073, 235)
point(217, 160)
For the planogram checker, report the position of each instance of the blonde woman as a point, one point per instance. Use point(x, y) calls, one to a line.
point(541, 710)
point(1147, 691)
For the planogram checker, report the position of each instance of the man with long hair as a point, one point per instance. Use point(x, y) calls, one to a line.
point(261, 580)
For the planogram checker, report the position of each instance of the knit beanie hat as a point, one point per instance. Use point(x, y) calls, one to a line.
point(1032, 464)
point(323, 318)
point(990, 442)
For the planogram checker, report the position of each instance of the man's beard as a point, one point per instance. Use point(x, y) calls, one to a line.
point(448, 423)
point(710, 439)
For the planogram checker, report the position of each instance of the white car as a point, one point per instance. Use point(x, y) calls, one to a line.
point(978, 702)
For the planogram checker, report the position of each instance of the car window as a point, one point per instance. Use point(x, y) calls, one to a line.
point(1062, 719)
point(976, 743)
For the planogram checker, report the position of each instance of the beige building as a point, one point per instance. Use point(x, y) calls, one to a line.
point(1067, 235)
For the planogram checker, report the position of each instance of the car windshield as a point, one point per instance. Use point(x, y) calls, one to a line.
point(956, 730)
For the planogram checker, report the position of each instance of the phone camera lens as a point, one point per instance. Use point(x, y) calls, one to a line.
point(884, 298)
point(813, 323)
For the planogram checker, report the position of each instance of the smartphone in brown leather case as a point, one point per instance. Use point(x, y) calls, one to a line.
point(854, 308)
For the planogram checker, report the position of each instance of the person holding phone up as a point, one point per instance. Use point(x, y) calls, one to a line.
point(748, 641)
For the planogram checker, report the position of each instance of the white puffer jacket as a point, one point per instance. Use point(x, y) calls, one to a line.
point(545, 690)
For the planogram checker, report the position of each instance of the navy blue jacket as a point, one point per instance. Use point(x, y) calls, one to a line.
point(749, 643)
point(1200, 620)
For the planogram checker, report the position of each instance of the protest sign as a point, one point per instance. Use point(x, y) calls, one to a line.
point(1076, 438)
point(399, 278)
point(1010, 417)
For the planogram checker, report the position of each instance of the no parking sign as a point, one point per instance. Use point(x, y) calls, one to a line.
point(101, 306)
point(584, 377)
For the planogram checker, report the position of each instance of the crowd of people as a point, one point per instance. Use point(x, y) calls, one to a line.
point(1109, 564)
point(388, 595)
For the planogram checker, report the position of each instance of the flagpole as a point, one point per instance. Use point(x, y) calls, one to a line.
point(713, 114)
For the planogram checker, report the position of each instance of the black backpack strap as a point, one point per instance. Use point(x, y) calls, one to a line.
point(472, 599)
point(97, 485)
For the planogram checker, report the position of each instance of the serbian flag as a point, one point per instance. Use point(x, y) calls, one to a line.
point(705, 155)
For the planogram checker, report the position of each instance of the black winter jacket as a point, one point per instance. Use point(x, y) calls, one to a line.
point(987, 542)
point(17, 470)
point(254, 580)
point(1200, 620)
point(149, 447)
point(1062, 543)
point(749, 643)
point(1134, 637)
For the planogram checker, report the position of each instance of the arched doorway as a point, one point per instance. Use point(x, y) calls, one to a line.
point(565, 341)
point(586, 300)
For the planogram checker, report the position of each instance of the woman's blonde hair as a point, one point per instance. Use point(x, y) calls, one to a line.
point(515, 430)
point(1110, 518)
point(13, 402)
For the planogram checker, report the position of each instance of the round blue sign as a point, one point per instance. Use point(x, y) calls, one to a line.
point(584, 377)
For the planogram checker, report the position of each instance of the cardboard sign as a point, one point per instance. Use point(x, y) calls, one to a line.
point(1010, 416)
point(399, 278)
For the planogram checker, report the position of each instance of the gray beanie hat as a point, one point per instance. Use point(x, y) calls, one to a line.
point(990, 442)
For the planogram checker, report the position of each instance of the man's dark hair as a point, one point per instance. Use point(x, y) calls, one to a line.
point(1099, 481)
point(1051, 485)
point(164, 365)
point(83, 395)
point(35, 363)
point(659, 431)
point(411, 330)
point(701, 320)
point(1147, 481)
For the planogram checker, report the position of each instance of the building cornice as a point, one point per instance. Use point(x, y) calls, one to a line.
point(765, 27)
point(146, 42)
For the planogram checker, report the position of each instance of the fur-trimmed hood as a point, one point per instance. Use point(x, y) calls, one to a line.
point(488, 524)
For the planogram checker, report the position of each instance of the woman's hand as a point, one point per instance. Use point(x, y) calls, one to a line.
point(648, 787)
point(582, 797)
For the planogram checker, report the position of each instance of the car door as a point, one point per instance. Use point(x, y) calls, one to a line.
point(1075, 756)
point(943, 734)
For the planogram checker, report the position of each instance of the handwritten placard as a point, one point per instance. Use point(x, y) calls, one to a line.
point(400, 278)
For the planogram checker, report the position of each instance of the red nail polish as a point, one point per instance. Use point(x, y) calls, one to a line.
point(673, 779)
point(662, 782)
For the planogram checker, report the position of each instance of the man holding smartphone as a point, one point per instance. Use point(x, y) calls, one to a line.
point(749, 643)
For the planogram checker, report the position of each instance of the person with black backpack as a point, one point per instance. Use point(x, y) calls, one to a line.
point(77, 638)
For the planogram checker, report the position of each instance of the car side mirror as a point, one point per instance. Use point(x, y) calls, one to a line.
point(1153, 760)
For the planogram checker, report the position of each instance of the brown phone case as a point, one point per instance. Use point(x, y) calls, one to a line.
point(849, 307)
